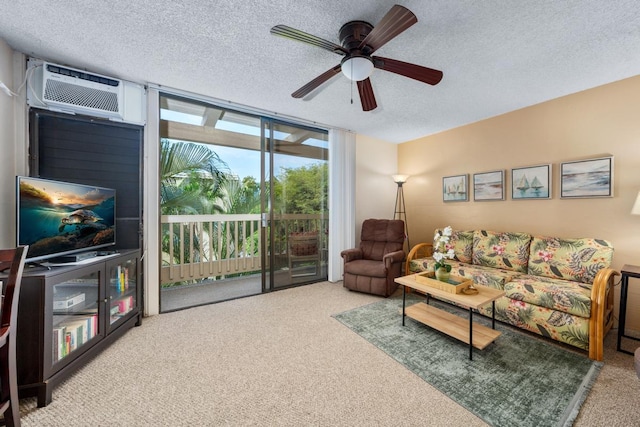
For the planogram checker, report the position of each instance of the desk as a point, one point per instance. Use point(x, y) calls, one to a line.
point(627, 271)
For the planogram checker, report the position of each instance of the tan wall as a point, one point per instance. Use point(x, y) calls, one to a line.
point(593, 123)
point(13, 139)
point(7, 160)
point(376, 161)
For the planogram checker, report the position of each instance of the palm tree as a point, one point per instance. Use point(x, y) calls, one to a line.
point(190, 175)
point(239, 197)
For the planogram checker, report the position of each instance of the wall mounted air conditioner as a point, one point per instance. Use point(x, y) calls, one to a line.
point(69, 90)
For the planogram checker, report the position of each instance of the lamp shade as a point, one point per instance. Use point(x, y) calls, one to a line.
point(357, 68)
point(636, 206)
point(398, 179)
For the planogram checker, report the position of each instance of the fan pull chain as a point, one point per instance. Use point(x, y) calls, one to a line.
point(351, 82)
point(351, 92)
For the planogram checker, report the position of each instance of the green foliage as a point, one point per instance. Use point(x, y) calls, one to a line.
point(526, 314)
point(190, 178)
point(580, 305)
point(546, 300)
point(576, 337)
point(240, 197)
point(195, 180)
point(571, 245)
point(302, 190)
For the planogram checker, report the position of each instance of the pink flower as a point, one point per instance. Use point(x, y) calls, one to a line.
point(499, 250)
point(517, 303)
point(546, 256)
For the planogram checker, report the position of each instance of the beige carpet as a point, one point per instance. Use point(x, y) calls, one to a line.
point(278, 359)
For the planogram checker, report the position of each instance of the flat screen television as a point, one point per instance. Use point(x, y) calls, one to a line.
point(61, 218)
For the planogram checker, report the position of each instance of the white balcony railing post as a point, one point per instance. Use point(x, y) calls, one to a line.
point(220, 245)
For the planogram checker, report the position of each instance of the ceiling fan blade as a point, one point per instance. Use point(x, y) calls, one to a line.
point(398, 19)
point(309, 87)
point(413, 71)
point(301, 36)
point(366, 95)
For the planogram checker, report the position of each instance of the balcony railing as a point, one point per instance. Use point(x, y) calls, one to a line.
point(214, 246)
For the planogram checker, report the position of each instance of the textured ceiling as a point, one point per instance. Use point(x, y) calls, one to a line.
point(496, 55)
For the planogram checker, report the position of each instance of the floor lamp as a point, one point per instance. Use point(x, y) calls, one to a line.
point(635, 210)
point(400, 212)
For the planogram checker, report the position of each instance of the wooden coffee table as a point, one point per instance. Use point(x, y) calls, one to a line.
point(474, 334)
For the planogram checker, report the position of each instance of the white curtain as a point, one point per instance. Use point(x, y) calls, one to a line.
point(342, 209)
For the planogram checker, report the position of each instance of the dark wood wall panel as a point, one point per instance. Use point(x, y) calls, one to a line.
point(95, 152)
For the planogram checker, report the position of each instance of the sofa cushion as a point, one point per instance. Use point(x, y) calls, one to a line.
point(509, 251)
point(418, 265)
point(561, 295)
point(365, 267)
point(461, 242)
point(563, 327)
point(487, 276)
point(570, 259)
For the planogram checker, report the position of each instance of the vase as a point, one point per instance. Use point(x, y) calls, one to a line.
point(442, 274)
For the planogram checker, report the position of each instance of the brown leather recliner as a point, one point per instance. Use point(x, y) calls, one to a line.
point(373, 266)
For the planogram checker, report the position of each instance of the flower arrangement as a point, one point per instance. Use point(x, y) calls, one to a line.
point(442, 249)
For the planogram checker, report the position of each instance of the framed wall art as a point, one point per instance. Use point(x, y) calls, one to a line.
point(532, 182)
point(587, 178)
point(455, 188)
point(488, 186)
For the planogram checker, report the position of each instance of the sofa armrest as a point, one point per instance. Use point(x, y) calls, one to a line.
point(601, 311)
point(351, 254)
point(421, 250)
point(392, 258)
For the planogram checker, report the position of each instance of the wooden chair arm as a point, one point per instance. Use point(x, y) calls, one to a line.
point(421, 250)
point(601, 311)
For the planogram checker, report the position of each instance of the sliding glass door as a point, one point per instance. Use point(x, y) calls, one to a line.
point(294, 210)
point(243, 202)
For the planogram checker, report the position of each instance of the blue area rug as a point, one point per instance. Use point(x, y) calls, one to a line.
point(519, 380)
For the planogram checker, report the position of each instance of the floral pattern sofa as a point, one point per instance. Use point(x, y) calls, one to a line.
point(559, 288)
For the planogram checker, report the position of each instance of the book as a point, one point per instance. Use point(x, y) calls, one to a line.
point(125, 305)
point(74, 332)
point(119, 279)
point(67, 344)
point(79, 330)
point(94, 325)
point(58, 346)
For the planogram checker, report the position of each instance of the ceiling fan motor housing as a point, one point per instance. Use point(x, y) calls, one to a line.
point(352, 33)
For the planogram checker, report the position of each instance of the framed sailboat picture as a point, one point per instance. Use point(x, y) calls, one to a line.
point(455, 188)
point(532, 182)
point(587, 178)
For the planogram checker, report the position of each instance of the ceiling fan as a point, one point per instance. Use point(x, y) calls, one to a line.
point(358, 41)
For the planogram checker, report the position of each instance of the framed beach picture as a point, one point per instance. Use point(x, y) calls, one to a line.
point(455, 188)
point(488, 186)
point(587, 178)
point(532, 182)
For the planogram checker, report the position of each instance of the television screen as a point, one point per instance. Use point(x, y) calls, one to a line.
point(60, 218)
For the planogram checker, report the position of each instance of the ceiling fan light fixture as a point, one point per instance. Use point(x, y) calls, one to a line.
point(357, 68)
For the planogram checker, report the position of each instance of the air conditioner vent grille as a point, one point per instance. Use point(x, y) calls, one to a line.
point(82, 75)
point(82, 96)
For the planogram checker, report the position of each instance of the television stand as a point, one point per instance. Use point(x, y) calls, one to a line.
point(69, 314)
point(74, 257)
point(36, 264)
